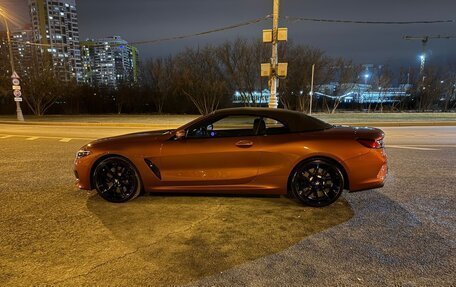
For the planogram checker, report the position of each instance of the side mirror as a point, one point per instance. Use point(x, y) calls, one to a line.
point(180, 134)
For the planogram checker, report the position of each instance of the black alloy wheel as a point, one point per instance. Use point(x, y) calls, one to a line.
point(317, 183)
point(117, 180)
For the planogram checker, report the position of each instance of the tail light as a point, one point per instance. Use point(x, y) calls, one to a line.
point(372, 143)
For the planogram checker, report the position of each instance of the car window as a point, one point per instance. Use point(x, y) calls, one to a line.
point(229, 126)
point(274, 127)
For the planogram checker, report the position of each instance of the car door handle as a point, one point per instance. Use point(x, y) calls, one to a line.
point(244, 143)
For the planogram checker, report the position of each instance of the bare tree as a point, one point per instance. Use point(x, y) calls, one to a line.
point(430, 88)
point(159, 76)
point(407, 76)
point(121, 96)
point(41, 88)
point(201, 79)
point(6, 96)
point(125, 95)
point(346, 74)
point(294, 89)
point(382, 84)
point(241, 64)
point(449, 87)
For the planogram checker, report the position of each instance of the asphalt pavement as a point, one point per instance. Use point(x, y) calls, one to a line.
point(53, 234)
point(420, 135)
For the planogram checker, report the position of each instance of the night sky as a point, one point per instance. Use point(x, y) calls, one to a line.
point(137, 20)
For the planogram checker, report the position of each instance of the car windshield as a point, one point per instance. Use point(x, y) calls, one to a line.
point(193, 122)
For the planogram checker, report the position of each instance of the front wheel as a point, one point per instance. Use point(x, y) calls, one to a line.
point(117, 180)
point(317, 183)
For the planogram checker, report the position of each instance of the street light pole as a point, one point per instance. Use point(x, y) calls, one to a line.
point(311, 89)
point(20, 116)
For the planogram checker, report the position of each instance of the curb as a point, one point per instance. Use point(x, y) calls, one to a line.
point(139, 125)
point(88, 124)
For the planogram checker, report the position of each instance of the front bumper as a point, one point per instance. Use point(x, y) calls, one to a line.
point(82, 170)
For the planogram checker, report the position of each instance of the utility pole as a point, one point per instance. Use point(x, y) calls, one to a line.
point(274, 69)
point(14, 76)
point(274, 58)
point(311, 89)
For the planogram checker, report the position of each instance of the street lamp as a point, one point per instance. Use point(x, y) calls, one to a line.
point(422, 63)
point(20, 117)
point(366, 77)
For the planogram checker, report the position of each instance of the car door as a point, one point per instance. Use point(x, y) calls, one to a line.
point(278, 150)
point(220, 152)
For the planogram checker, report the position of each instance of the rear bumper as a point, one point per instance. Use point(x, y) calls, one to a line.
point(379, 185)
point(368, 171)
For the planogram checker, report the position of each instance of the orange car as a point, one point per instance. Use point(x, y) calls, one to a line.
point(240, 150)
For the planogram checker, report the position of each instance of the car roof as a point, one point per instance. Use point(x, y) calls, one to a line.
point(295, 121)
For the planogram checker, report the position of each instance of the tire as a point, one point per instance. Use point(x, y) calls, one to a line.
point(116, 180)
point(317, 182)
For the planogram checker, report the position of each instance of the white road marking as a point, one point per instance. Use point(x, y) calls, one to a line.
point(32, 138)
point(65, 140)
point(431, 145)
point(411, 147)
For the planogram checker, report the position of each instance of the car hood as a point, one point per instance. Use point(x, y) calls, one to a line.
point(129, 138)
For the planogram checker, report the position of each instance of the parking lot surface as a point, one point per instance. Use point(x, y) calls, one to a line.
point(53, 234)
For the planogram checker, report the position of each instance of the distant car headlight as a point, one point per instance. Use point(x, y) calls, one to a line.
point(82, 153)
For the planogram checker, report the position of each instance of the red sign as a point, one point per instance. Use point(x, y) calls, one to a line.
point(17, 93)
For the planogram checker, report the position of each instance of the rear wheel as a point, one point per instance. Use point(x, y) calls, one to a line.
point(117, 180)
point(317, 183)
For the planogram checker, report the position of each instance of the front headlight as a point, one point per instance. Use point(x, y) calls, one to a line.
point(82, 153)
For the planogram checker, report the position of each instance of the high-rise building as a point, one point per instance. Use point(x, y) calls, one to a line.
point(55, 28)
point(109, 62)
point(5, 67)
point(22, 50)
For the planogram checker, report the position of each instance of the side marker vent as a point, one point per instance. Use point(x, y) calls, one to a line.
point(153, 168)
